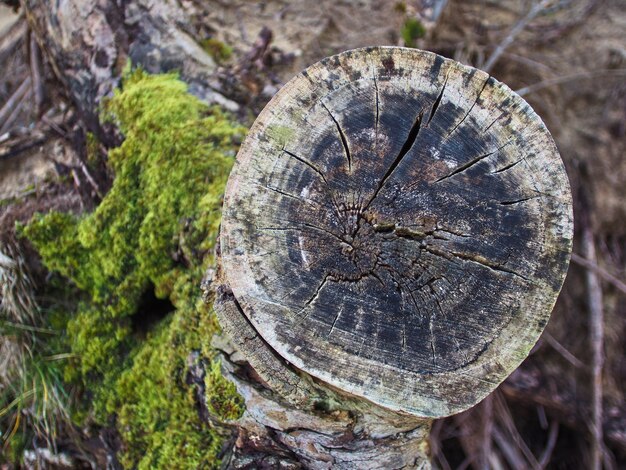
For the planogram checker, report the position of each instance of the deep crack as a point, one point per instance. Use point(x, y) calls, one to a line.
point(408, 144)
point(342, 136)
point(437, 102)
point(471, 163)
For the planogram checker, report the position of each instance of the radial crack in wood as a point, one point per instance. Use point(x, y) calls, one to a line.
point(416, 235)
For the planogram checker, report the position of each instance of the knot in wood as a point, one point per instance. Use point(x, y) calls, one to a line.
point(399, 226)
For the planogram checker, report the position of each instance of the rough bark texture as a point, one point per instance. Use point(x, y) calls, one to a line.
point(397, 227)
point(89, 42)
point(292, 421)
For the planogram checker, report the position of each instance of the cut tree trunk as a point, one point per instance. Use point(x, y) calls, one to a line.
point(396, 230)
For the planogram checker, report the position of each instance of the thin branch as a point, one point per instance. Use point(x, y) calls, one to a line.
point(518, 28)
point(553, 434)
point(596, 320)
point(528, 61)
point(604, 274)
point(436, 445)
point(17, 110)
point(569, 78)
point(558, 347)
point(91, 180)
point(510, 453)
point(487, 430)
point(506, 419)
point(35, 71)
point(12, 39)
point(13, 101)
point(9, 151)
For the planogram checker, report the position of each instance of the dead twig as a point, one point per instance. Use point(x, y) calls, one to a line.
point(528, 62)
point(476, 427)
point(552, 31)
point(21, 146)
point(518, 28)
point(436, 445)
point(12, 39)
point(506, 419)
point(255, 57)
point(54, 126)
point(510, 453)
point(13, 101)
point(35, 72)
point(488, 423)
point(604, 274)
point(553, 434)
point(91, 180)
point(19, 107)
point(569, 78)
point(558, 347)
point(596, 333)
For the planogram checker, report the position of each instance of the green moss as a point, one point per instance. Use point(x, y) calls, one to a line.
point(92, 148)
point(217, 49)
point(411, 31)
point(156, 411)
point(282, 134)
point(222, 397)
point(155, 229)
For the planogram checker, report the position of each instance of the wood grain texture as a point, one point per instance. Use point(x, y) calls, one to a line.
point(398, 226)
point(338, 432)
point(292, 420)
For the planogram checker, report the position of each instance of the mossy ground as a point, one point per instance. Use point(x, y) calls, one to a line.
point(154, 230)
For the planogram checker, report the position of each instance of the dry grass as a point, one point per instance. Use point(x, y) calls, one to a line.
point(32, 397)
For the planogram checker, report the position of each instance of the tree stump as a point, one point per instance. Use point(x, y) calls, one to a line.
point(396, 230)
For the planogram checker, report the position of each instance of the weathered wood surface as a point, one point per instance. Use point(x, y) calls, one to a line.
point(89, 42)
point(397, 227)
point(293, 422)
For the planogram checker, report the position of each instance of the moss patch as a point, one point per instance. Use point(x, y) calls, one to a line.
point(155, 229)
point(217, 49)
point(222, 397)
point(411, 31)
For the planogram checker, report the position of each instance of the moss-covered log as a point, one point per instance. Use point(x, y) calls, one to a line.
point(396, 230)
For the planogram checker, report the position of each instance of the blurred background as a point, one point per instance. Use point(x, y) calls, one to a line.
point(564, 408)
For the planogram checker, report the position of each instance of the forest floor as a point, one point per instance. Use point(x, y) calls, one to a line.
point(565, 407)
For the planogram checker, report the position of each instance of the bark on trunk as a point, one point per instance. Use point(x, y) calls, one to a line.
point(89, 42)
point(293, 421)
